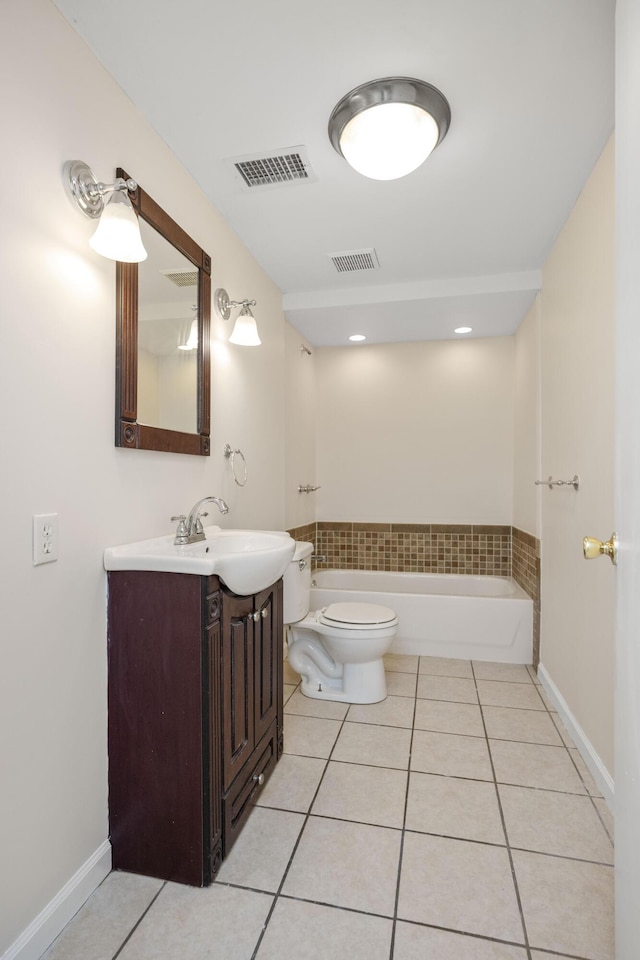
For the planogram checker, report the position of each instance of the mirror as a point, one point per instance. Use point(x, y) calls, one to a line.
point(162, 346)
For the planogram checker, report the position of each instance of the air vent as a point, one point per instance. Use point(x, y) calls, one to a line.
point(352, 261)
point(278, 168)
point(182, 278)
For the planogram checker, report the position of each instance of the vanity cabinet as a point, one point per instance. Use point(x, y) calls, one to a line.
point(195, 718)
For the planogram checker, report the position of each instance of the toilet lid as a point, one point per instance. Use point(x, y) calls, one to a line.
point(362, 614)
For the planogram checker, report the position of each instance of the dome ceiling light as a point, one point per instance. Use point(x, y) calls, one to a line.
point(386, 128)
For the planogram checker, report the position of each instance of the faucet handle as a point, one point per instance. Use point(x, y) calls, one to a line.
point(197, 526)
point(181, 532)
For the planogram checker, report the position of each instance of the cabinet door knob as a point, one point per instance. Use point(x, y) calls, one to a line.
point(259, 778)
point(264, 613)
point(254, 616)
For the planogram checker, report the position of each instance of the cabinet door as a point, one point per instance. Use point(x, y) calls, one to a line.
point(237, 684)
point(267, 659)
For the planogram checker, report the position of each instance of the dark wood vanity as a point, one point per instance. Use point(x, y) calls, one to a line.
point(195, 718)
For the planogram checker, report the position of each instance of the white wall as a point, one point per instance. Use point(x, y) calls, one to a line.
point(300, 429)
point(416, 432)
point(526, 446)
point(58, 455)
point(577, 437)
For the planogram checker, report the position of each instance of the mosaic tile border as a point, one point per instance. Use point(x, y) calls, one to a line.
point(416, 548)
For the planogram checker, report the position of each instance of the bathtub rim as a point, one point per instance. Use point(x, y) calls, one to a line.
point(517, 592)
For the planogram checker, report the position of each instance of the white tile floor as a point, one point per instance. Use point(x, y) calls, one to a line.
point(453, 821)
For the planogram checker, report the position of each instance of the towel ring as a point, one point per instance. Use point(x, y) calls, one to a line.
point(231, 455)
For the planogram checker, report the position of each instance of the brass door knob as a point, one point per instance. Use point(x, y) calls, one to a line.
point(593, 548)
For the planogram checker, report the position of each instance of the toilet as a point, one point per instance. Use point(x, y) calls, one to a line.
point(337, 650)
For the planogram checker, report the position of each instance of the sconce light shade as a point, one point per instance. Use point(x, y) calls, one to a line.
point(190, 342)
point(117, 235)
point(245, 331)
point(387, 128)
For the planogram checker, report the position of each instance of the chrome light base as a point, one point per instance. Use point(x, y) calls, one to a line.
point(88, 193)
point(389, 90)
point(222, 302)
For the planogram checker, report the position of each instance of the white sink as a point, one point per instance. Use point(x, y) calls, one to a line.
point(245, 560)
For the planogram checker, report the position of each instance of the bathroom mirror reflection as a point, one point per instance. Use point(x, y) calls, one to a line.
point(167, 336)
point(163, 317)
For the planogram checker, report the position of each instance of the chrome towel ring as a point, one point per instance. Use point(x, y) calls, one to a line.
point(231, 454)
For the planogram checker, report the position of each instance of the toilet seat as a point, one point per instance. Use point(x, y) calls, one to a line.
point(357, 616)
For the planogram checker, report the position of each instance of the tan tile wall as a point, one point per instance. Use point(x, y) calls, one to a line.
point(525, 566)
point(307, 532)
point(412, 548)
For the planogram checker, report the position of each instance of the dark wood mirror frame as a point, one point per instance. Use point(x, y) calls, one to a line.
point(130, 433)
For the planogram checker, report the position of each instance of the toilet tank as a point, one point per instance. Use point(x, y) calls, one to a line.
point(297, 583)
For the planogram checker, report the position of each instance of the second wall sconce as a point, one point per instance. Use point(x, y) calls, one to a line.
point(117, 235)
point(245, 330)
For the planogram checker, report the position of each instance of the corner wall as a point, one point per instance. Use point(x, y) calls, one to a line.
point(577, 643)
point(300, 429)
point(525, 553)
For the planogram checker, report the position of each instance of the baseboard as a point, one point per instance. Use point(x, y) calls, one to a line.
point(585, 748)
point(42, 931)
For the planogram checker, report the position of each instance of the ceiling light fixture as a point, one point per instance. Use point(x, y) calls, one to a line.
point(463, 329)
point(245, 330)
point(386, 128)
point(357, 337)
point(117, 235)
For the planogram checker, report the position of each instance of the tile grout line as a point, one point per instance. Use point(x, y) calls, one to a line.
point(297, 843)
point(138, 922)
point(559, 727)
point(504, 826)
point(404, 820)
point(578, 771)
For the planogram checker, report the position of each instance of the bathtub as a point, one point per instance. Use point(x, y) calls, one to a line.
point(440, 615)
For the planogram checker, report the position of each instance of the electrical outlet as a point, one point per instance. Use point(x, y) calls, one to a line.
point(45, 538)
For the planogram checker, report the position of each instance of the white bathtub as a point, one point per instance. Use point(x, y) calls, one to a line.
point(440, 615)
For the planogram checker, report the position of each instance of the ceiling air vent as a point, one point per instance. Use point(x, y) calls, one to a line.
point(182, 278)
point(275, 169)
point(352, 261)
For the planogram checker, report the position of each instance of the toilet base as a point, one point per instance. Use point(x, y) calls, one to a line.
point(359, 683)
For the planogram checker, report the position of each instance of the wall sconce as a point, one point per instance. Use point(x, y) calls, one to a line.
point(245, 331)
point(117, 235)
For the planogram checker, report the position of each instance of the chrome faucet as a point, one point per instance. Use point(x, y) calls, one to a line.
point(190, 528)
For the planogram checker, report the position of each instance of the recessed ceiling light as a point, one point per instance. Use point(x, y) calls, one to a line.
point(463, 329)
point(356, 337)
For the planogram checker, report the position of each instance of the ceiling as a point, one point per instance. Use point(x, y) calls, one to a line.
point(462, 239)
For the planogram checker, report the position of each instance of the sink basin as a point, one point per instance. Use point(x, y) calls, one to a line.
point(246, 561)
